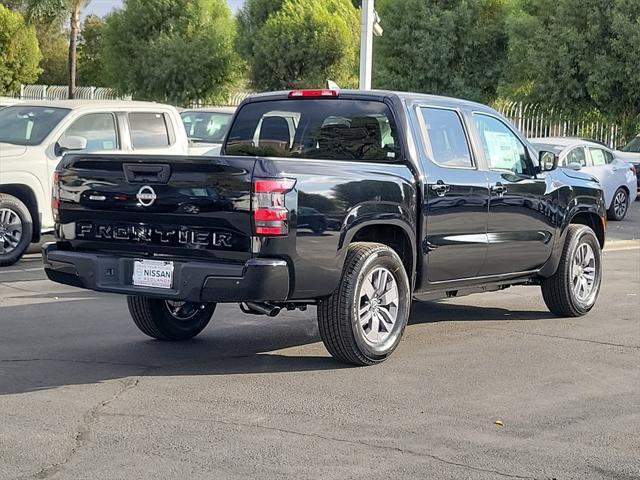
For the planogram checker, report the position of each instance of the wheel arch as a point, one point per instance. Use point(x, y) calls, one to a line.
point(395, 234)
point(26, 195)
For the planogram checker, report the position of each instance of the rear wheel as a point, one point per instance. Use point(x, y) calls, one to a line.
point(16, 229)
point(363, 320)
point(619, 205)
point(168, 319)
point(572, 291)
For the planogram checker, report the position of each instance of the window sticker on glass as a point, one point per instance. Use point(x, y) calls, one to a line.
point(503, 150)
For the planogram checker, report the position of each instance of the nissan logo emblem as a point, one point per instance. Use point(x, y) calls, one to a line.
point(146, 196)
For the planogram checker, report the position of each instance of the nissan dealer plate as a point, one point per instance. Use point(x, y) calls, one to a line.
point(152, 273)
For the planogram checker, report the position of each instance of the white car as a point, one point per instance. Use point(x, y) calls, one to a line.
point(617, 177)
point(35, 135)
point(8, 101)
point(206, 128)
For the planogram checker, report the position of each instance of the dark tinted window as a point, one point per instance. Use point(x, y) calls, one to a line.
point(327, 129)
point(28, 125)
point(206, 126)
point(447, 138)
point(148, 130)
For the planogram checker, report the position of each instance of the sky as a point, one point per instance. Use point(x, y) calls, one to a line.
point(102, 7)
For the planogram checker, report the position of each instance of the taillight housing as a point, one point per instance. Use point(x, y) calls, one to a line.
point(270, 213)
point(55, 195)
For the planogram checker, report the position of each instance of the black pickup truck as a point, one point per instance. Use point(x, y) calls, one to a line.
point(356, 202)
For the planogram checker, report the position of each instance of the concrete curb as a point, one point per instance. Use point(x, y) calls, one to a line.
point(620, 245)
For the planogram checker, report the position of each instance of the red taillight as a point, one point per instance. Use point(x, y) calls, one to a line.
point(313, 93)
point(270, 215)
point(55, 194)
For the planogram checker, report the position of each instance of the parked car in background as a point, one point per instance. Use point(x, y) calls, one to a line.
point(617, 177)
point(631, 153)
point(35, 135)
point(8, 101)
point(206, 128)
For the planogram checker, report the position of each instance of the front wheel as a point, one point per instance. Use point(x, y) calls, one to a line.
point(363, 320)
point(16, 229)
point(619, 205)
point(572, 291)
point(168, 319)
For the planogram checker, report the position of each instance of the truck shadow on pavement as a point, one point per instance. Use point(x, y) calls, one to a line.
point(51, 345)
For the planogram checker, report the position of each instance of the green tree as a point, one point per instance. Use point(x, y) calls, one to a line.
point(251, 17)
point(577, 55)
point(19, 52)
point(54, 45)
point(90, 69)
point(305, 43)
point(445, 47)
point(171, 50)
point(54, 10)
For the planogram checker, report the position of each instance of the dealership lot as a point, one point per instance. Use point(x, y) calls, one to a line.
point(84, 395)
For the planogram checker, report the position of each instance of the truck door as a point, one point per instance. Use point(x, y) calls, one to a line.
point(456, 196)
point(522, 207)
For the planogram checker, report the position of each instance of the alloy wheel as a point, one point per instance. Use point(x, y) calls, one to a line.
point(378, 306)
point(10, 230)
point(584, 273)
point(620, 204)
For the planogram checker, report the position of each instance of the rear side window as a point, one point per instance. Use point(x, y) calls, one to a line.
point(600, 157)
point(149, 130)
point(329, 129)
point(446, 137)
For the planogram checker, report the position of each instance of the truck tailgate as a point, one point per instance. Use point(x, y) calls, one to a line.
point(156, 205)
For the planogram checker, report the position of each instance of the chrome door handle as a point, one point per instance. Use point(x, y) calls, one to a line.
point(499, 189)
point(440, 188)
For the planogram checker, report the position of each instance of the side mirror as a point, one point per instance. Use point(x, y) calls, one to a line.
point(70, 142)
point(574, 166)
point(548, 161)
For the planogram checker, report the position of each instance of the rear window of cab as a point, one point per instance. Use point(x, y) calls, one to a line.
point(328, 129)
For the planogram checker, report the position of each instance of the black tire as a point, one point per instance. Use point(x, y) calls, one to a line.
point(338, 314)
point(10, 254)
point(558, 290)
point(154, 318)
point(619, 205)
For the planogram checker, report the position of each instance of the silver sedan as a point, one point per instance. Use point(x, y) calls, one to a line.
point(617, 177)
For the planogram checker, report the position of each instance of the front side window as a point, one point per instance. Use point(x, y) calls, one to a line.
point(149, 130)
point(328, 129)
point(446, 137)
point(206, 126)
point(577, 155)
point(99, 129)
point(502, 148)
point(24, 125)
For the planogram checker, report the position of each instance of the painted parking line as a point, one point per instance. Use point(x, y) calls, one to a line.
point(23, 270)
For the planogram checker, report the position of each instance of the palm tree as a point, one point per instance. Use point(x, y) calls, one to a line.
point(57, 10)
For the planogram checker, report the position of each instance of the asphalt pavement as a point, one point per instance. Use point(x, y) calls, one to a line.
point(483, 387)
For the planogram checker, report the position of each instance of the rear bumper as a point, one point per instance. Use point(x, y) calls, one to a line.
point(258, 279)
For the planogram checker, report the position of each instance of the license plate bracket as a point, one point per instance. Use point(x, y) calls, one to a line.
point(153, 273)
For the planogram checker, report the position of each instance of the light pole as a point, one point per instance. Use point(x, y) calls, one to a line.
point(369, 25)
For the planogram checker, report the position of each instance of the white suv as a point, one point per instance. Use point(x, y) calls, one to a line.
point(35, 135)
